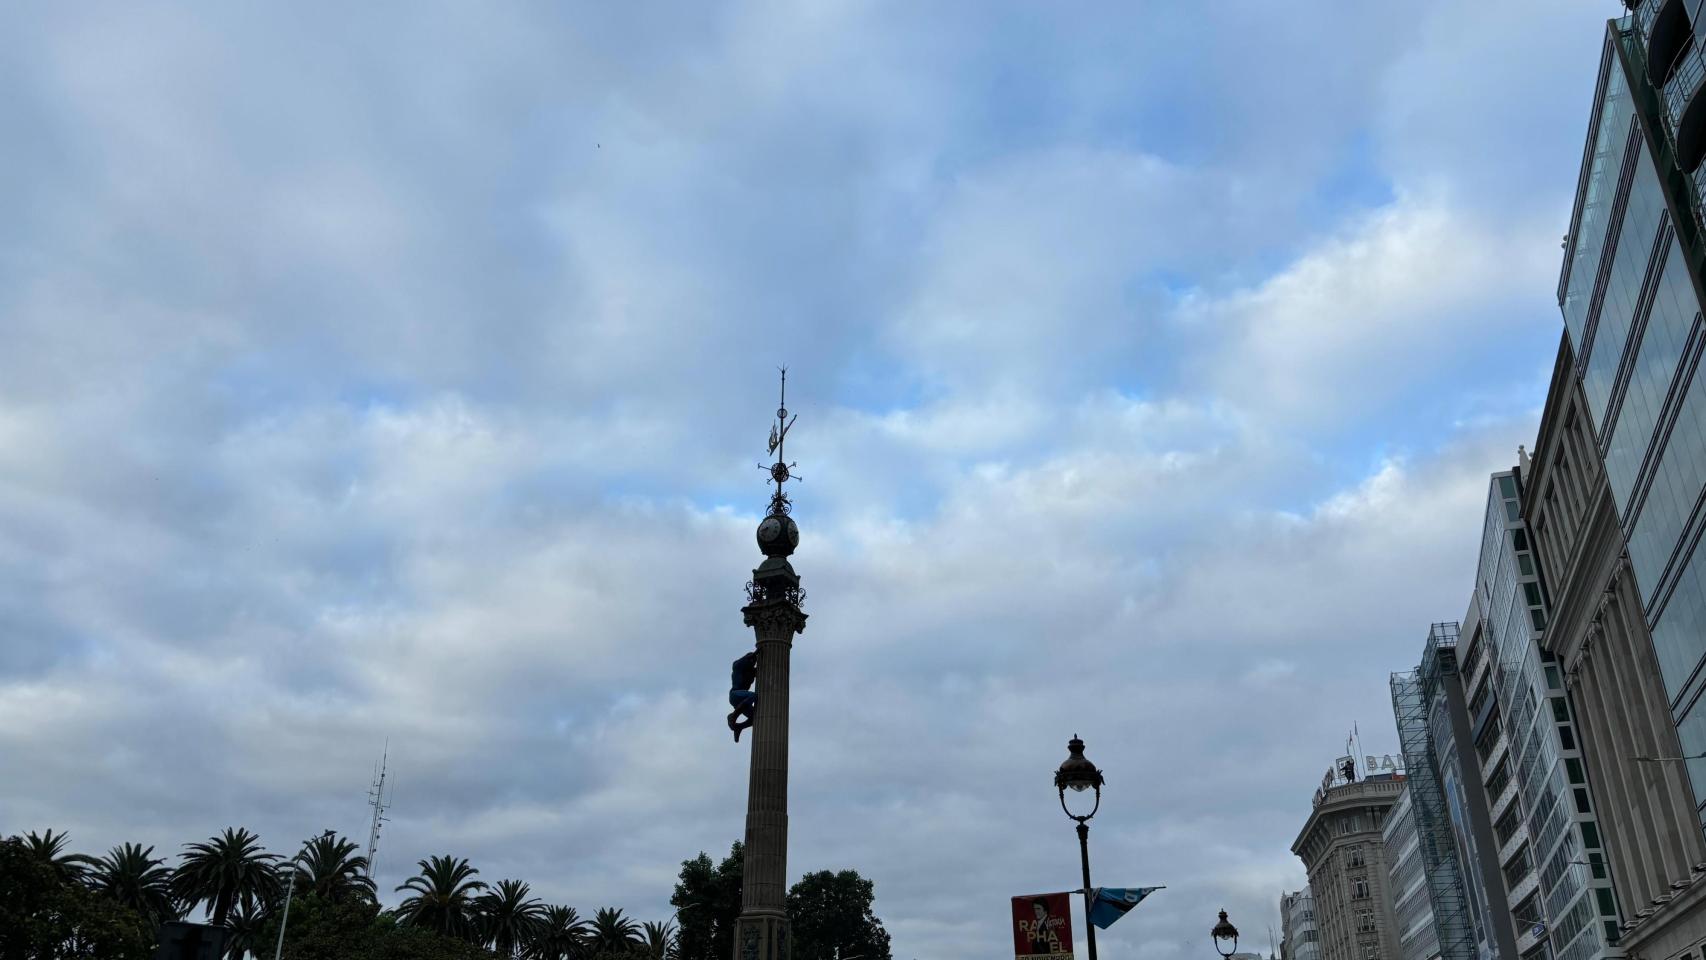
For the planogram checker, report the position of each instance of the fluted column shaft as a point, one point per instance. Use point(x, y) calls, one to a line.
point(761, 933)
point(764, 883)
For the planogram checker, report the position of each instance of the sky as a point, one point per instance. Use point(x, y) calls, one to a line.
point(397, 373)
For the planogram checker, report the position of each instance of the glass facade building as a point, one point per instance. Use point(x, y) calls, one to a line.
point(1300, 939)
point(1418, 938)
point(1531, 766)
point(1631, 301)
point(1434, 727)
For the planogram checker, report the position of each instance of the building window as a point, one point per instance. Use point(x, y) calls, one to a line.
point(1519, 866)
point(1507, 825)
point(1355, 854)
point(1359, 888)
point(1528, 911)
point(1365, 921)
point(1489, 738)
point(1481, 690)
point(1371, 951)
point(1496, 783)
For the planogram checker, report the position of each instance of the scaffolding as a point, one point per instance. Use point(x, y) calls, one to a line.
point(1412, 692)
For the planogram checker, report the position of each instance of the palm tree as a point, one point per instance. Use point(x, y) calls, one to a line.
point(612, 932)
point(508, 917)
point(132, 876)
point(245, 925)
point(226, 871)
point(561, 935)
point(443, 897)
point(49, 848)
point(330, 867)
point(660, 940)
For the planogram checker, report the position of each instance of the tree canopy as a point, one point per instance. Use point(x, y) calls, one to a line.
point(46, 913)
point(707, 902)
point(829, 911)
point(832, 912)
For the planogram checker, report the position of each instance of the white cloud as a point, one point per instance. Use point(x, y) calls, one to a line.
point(405, 380)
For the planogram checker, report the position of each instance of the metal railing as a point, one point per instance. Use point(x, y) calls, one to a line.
point(1683, 82)
point(1645, 13)
point(1671, 101)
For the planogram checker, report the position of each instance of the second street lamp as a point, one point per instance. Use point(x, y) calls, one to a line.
point(1078, 774)
point(1224, 930)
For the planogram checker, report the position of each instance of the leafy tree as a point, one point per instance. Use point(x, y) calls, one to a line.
point(561, 935)
point(357, 930)
point(330, 868)
point(508, 917)
point(46, 914)
point(226, 871)
point(613, 931)
point(132, 877)
point(832, 911)
point(659, 941)
point(442, 898)
point(49, 848)
point(707, 903)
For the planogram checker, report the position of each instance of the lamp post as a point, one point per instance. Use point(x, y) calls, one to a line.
point(290, 888)
point(1681, 759)
point(1078, 774)
point(1224, 930)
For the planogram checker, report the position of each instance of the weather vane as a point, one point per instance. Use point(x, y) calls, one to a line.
point(781, 471)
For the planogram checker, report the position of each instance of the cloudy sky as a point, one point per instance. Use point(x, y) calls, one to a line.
point(398, 372)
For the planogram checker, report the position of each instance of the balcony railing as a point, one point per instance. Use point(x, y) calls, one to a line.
point(1646, 12)
point(1685, 77)
point(1637, 28)
point(1698, 179)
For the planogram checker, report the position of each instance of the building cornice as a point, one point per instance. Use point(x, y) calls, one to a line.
point(1685, 904)
point(1550, 434)
point(1346, 797)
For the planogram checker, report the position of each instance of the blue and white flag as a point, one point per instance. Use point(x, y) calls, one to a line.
point(1108, 904)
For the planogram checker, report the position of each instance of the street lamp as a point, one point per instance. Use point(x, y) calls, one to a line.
point(1690, 756)
point(1078, 774)
point(1224, 930)
point(290, 888)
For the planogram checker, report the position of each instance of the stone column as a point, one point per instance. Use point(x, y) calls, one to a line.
point(774, 614)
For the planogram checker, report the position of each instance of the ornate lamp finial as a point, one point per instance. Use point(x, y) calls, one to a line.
point(781, 471)
point(777, 533)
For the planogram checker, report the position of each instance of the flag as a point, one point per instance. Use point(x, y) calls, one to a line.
point(1108, 904)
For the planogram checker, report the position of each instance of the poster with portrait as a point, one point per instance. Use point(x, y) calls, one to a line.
point(1042, 927)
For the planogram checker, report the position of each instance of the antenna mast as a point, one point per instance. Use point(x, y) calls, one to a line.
point(376, 800)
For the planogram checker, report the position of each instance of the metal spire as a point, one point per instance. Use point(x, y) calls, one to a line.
point(781, 471)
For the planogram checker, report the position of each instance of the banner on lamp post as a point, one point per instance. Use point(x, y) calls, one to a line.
point(1042, 927)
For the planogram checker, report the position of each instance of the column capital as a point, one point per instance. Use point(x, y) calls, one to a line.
point(774, 619)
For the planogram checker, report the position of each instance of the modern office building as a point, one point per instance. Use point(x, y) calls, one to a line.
point(1619, 507)
point(1418, 938)
point(1453, 823)
point(1631, 299)
point(1299, 939)
point(1598, 633)
point(1344, 852)
point(1526, 741)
